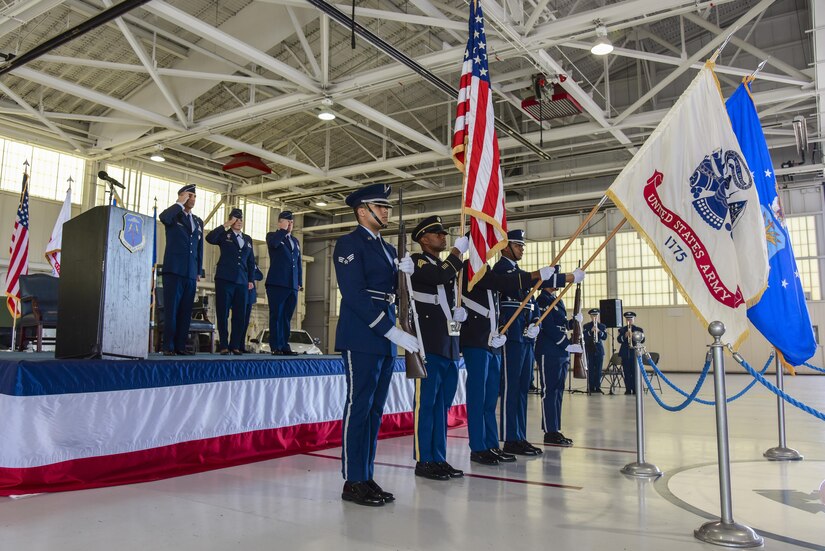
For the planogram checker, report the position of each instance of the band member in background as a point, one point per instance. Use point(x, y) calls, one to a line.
point(182, 269)
point(233, 280)
point(251, 299)
point(481, 346)
point(518, 358)
point(367, 274)
point(283, 282)
point(594, 334)
point(553, 349)
point(627, 352)
point(434, 292)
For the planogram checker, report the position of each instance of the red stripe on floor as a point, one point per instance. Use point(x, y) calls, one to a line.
point(466, 474)
point(557, 446)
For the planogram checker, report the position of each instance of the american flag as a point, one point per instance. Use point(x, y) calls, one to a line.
point(475, 152)
point(19, 251)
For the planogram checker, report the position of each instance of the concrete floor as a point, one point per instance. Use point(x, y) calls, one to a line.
point(567, 499)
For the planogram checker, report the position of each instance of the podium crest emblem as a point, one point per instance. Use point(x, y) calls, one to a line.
point(132, 233)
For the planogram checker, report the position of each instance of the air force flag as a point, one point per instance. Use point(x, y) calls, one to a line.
point(781, 315)
point(690, 194)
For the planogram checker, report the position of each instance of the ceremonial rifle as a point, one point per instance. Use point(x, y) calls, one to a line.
point(579, 358)
point(407, 315)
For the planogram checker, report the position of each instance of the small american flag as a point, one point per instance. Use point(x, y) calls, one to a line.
point(19, 251)
point(475, 152)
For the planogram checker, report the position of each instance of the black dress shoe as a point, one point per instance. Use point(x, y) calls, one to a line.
point(430, 470)
point(277, 353)
point(223, 352)
point(169, 353)
point(518, 447)
point(485, 457)
point(527, 444)
point(451, 471)
point(237, 352)
point(386, 496)
point(557, 439)
point(184, 353)
point(289, 353)
point(503, 456)
point(362, 494)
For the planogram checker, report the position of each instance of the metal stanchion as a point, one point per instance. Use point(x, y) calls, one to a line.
point(781, 452)
point(724, 531)
point(640, 468)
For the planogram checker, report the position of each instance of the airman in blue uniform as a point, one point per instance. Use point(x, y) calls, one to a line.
point(233, 281)
point(251, 299)
point(518, 356)
point(553, 350)
point(594, 334)
point(627, 352)
point(283, 281)
point(182, 269)
point(366, 336)
point(434, 292)
point(481, 346)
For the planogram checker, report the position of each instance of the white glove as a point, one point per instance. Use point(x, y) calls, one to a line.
point(574, 349)
point(578, 275)
point(406, 264)
point(497, 341)
point(460, 314)
point(578, 317)
point(546, 273)
point(403, 339)
point(462, 244)
point(532, 331)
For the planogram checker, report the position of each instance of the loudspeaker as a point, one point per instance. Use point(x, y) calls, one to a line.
point(611, 312)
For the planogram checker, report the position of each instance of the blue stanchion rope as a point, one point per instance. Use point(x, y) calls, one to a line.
point(809, 366)
point(689, 397)
point(704, 371)
point(767, 384)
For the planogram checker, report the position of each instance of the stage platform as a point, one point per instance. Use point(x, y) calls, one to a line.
point(74, 424)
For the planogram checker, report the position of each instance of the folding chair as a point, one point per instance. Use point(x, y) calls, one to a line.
point(613, 374)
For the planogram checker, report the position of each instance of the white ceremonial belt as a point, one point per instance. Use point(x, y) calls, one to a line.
point(425, 298)
point(476, 307)
point(514, 304)
point(381, 295)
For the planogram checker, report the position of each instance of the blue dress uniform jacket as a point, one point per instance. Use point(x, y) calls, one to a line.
point(430, 272)
point(367, 282)
point(285, 268)
point(553, 360)
point(183, 254)
point(628, 355)
point(553, 337)
point(593, 344)
point(236, 264)
point(509, 302)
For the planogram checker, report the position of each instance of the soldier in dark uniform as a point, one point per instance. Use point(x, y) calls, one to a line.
point(367, 274)
point(182, 269)
point(553, 349)
point(627, 352)
point(594, 334)
point(283, 282)
point(233, 281)
point(518, 356)
point(433, 289)
point(251, 299)
point(481, 346)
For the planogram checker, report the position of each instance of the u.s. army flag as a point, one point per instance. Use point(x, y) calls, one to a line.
point(690, 193)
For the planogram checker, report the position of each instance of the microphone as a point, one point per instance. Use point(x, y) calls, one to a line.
point(103, 176)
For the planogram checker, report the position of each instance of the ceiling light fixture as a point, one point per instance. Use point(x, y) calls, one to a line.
point(326, 114)
point(320, 203)
point(157, 156)
point(603, 45)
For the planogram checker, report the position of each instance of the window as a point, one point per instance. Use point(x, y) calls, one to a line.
point(802, 232)
point(640, 279)
point(594, 287)
point(48, 171)
point(256, 219)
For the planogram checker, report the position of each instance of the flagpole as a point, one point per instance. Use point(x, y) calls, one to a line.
point(14, 324)
point(460, 282)
point(584, 267)
point(556, 259)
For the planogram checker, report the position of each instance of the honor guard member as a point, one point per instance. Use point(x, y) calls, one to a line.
point(627, 352)
point(251, 299)
point(233, 280)
point(553, 349)
point(518, 356)
point(594, 334)
point(182, 269)
point(366, 336)
point(283, 282)
point(481, 346)
point(434, 292)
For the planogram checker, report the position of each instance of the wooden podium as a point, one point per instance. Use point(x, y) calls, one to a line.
point(105, 285)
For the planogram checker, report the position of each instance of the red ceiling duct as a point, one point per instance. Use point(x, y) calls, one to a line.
point(246, 166)
point(560, 104)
